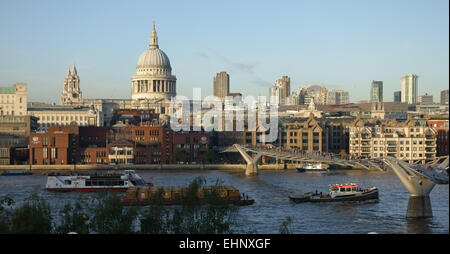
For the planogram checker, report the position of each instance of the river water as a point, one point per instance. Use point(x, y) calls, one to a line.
point(270, 190)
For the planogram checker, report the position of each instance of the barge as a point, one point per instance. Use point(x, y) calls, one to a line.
point(175, 195)
point(16, 173)
point(93, 182)
point(339, 192)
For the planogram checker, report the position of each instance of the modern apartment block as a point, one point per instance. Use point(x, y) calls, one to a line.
point(221, 85)
point(409, 85)
point(408, 141)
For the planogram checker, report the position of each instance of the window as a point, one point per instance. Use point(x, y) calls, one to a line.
point(54, 153)
point(44, 152)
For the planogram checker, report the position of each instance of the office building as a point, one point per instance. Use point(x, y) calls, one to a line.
point(398, 96)
point(425, 99)
point(444, 97)
point(337, 96)
point(376, 91)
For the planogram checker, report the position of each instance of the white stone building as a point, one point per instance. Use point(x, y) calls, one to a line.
point(153, 79)
point(152, 87)
point(72, 93)
point(13, 100)
point(51, 115)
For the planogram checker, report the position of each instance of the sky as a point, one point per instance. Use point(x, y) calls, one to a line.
point(339, 44)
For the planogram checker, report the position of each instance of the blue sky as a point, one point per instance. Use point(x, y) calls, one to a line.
point(340, 44)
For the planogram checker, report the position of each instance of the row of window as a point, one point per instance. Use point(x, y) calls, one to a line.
point(381, 142)
point(63, 118)
point(187, 146)
point(53, 152)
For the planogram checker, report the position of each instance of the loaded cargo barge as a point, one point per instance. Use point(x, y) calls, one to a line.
point(175, 195)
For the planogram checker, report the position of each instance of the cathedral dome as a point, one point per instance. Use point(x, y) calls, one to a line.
point(153, 58)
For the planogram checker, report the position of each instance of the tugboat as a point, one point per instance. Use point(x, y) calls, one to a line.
point(92, 182)
point(312, 168)
point(339, 192)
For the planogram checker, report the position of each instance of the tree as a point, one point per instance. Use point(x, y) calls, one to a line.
point(33, 217)
point(5, 216)
point(74, 219)
point(111, 217)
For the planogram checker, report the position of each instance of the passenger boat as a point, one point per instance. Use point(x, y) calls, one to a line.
point(339, 192)
point(312, 168)
point(15, 173)
point(92, 182)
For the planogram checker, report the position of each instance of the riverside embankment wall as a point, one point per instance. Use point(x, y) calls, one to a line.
point(43, 168)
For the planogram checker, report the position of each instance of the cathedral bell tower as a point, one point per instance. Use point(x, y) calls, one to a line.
point(71, 93)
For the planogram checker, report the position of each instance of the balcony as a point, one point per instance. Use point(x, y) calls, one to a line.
point(366, 144)
point(430, 143)
point(391, 143)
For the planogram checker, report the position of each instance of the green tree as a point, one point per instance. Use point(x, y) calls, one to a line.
point(33, 217)
point(74, 219)
point(111, 217)
point(5, 216)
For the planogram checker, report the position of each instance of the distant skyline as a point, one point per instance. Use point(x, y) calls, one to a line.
point(340, 44)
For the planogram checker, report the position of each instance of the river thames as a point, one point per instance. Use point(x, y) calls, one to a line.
point(270, 190)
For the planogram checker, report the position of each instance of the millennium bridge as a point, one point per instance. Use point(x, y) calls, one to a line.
point(417, 179)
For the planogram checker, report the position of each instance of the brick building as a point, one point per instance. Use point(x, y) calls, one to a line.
point(59, 145)
point(441, 127)
point(146, 143)
point(190, 147)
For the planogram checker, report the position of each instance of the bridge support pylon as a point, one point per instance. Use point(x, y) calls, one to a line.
point(419, 188)
point(252, 163)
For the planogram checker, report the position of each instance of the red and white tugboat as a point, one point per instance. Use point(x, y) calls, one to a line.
point(339, 192)
point(92, 182)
